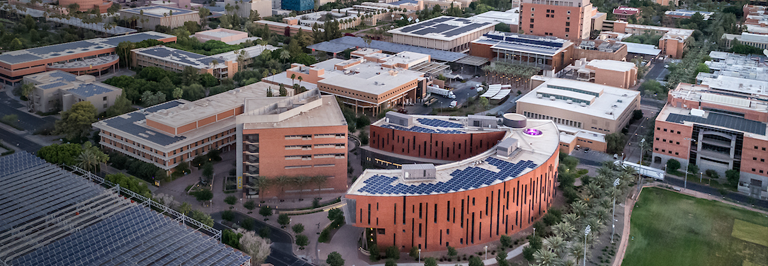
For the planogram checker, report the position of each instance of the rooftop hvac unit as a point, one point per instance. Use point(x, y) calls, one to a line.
point(583, 104)
point(569, 101)
point(551, 98)
point(539, 96)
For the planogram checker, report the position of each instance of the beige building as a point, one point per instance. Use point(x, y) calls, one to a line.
point(59, 90)
point(223, 65)
point(584, 112)
point(264, 7)
point(442, 33)
point(372, 82)
point(606, 72)
point(220, 34)
point(171, 17)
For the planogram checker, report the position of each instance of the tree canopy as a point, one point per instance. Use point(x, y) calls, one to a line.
point(76, 122)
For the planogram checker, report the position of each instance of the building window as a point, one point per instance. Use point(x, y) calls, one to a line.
point(567, 29)
point(105, 98)
point(531, 26)
point(531, 20)
point(567, 24)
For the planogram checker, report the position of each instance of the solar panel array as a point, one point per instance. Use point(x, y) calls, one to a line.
point(419, 129)
point(463, 179)
point(127, 124)
point(438, 123)
point(90, 226)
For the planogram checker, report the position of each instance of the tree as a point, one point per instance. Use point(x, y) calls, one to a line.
point(302, 241)
point(60, 153)
point(334, 259)
point(615, 142)
point(184, 208)
point(336, 216)
point(265, 232)
point(505, 241)
point(203, 195)
point(231, 200)
point(432, 262)
point(414, 252)
point(452, 252)
point(283, 91)
point(199, 161)
point(250, 205)
point(227, 215)
point(76, 122)
point(393, 252)
point(208, 170)
point(283, 219)
point(231, 238)
point(265, 211)
point(16, 44)
point(177, 93)
point(91, 158)
point(285, 55)
point(733, 177)
point(373, 249)
point(258, 248)
point(297, 228)
point(692, 168)
point(501, 258)
point(391, 262)
point(476, 261)
point(26, 91)
point(121, 106)
point(201, 217)
point(673, 165)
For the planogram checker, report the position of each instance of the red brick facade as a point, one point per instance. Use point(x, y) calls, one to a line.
point(451, 147)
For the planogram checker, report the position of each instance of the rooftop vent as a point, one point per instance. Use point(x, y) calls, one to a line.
point(507, 147)
point(583, 104)
point(416, 172)
point(569, 101)
point(551, 98)
point(539, 96)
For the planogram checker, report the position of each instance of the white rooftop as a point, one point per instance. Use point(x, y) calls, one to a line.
point(444, 28)
point(610, 103)
point(612, 65)
point(509, 17)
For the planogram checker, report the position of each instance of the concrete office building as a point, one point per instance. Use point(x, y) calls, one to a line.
point(220, 34)
point(442, 33)
point(715, 130)
point(584, 111)
point(751, 39)
point(176, 60)
point(371, 83)
point(673, 41)
point(501, 190)
point(94, 56)
point(171, 17)
point(601, 50)
point(303, 135)
point(547, 53)
point(623, 13)
point(606, 72)
point(671, 17)
point(570, 19)
point(736, 74)
point(59, 90)
point(264, 7)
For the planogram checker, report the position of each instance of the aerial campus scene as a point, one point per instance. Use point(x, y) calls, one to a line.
point(384, 132)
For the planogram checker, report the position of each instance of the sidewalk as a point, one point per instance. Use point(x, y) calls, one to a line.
point(491, 261)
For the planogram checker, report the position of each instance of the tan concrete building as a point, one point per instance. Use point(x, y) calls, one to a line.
point(59, 90)
point(171, 17)
point(672, 43)
point(264, 7)
point(601, 49)
point(442, 33)
point(223, 65)
point(606, 72)
point(585, 112)
point(220, 34)
point(547, 53)
point(370, 83)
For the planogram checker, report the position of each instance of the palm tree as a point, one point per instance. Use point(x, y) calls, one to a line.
point(556, 244)
point(214, 62)
point(319, 181)
point(282, 181)
point(263, 184)
point(300, 79)
point(293, 76)
point(571, 218)
point(546, 258)
point(91, 158)
point(300, 182)
point(284, 55)
point(579, 208)
point(577, 251)
point(563, 229)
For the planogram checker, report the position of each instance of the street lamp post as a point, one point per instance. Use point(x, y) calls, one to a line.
point(613, 217)
point(419, 255)
point(486, 252)
point(642, 144)
point(586, 233)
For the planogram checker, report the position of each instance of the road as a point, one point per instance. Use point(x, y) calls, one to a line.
point(676, 181)
point(657, 72)
point(23, 143)
point(282, 243)
point(28, 122)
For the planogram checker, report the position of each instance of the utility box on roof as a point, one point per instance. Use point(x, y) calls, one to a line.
point(507, 147)
point(483, 121)
point(412, 172)
point(399, 119)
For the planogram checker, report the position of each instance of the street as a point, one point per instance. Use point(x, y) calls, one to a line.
point(281, 254)
point(28, 122)
point(23, 143)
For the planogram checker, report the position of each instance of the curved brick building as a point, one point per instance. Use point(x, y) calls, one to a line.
point(498, 188)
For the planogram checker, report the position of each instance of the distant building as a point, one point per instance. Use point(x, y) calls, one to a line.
point(171, 17)
point(88, 5)
point(583, 111)
point(298, 5)
point(226, 64)
point(442, 33)
point(94, 57)
point(571, 19)
point(372, 82)
point(673, 41)
point(510, 18)
point(547, 53)
point(283, 28)
point(59, 90)
point(671, 17)
point(220, 34)
point(601, 49)
point(264, 7)
point(606, 72)
point(751, 39)
point(716, 130)
point(756, 19)
point(624, 12)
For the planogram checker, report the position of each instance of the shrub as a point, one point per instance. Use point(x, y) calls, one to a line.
point(228, 215)
point(325, 236)
point(374, 250)
point(391, 262)
point(673, 165)
point(265, 232)
point(712, 174)
point(414, 253)
point(247, 224)
point(231, 200)
point(506, 241)
point(393, 252)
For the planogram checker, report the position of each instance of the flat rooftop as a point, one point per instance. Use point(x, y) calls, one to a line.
point(83, 86)
point(612, 65)
point(197, 60)
point(94, 225)
point(509, 17)
point(220, 33)
point(308, 109)
point(367, 77)
point(703, 94)
point(476, 172)
point(747, 37)
point(755, 129)
point(443, 28)
point(643, 49)
point(610, 103)
point(348, 42)
point(73, 48)
point(688, 13)
point(437, 125)
point(157, 11)
point(542, 45)
point(737, 85)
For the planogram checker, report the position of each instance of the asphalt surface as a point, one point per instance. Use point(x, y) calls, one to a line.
point(26, 121)
point(657, 72)
point(676, 181)
point(20, 141)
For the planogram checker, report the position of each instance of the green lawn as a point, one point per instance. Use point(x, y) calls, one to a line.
point(669, 228)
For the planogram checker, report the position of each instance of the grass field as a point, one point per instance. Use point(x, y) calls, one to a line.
point(669, 228)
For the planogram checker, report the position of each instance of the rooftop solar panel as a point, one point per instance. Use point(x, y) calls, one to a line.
point(721, 120)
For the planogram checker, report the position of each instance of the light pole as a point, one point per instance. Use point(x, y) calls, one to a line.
point(419, 255)
point(700, 177)
point(613, 217)
point(586, 233)
point(642, 144)
point(486, 252)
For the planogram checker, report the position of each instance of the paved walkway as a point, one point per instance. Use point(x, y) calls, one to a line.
point(491, 261)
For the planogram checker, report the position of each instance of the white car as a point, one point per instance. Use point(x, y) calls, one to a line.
point(453, 104)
